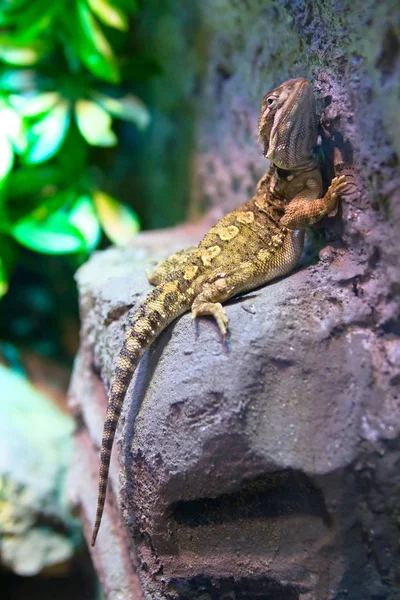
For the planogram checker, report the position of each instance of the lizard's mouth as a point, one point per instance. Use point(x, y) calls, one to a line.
point(265, 124)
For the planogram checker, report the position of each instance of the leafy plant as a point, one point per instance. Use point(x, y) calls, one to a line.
point(62, 66)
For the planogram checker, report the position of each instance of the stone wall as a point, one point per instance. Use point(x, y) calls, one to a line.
point(268, 468)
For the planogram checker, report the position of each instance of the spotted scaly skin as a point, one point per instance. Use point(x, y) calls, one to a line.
point(255, 243)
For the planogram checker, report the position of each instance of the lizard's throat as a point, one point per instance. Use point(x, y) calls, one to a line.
point(290, 152)
point(282, 159)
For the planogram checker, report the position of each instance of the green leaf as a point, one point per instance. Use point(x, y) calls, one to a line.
point(119, 222)
point(40, 207)
point(6, 156)
point(55, 235)
point(110, 15)
point(11, 125)
point(26, 181)
point(94, 48)
point(72, 159)
point(14, 5)
point(47, 135)
point(15, 53)
point(129, 108)
point(35, 18)
point(94, 123)
point(84, 217)
point(33, 105)
point(17, 80)
point(52, 202)
point(129, 6)
point(5, 20)
point(39, 23)
point(3, 279)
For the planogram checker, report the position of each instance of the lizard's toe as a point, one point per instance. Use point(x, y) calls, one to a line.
point(338, 184)
point(222, 319)
point(213, 309)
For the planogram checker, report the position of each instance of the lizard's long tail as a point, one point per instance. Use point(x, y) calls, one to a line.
point(162, 305)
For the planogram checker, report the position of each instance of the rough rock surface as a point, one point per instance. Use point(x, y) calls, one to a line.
point(37, 532)
point(267, 468)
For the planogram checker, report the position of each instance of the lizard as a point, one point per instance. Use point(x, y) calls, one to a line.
point(255, 243)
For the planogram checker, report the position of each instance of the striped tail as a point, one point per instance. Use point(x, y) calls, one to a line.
point(162, 305)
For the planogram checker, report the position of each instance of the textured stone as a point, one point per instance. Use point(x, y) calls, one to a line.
point(268, 467)
point(37, 531)
point(270, 426)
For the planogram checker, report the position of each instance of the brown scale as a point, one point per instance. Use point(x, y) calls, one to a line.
point(255, 243)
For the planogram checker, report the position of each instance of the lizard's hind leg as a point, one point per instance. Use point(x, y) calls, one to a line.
point(169, 268)
point(221, 286)
point(203, 307)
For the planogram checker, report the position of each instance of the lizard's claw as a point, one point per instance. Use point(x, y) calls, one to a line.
point(221, 318)
point(336, 189)
point(216, 310)
point(338, 185)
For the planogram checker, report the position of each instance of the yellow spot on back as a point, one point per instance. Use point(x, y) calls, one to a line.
point(170, 286)
point(190, 272)
point(264, 254)
point(228, 233)
point(276, 240)
point(245, 217)
point(209, 254)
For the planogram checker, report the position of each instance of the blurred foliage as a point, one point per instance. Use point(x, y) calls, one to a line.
point(68, 75)
point(63, 66)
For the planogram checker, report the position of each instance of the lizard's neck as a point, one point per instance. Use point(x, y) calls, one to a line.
point(308, 164)
point(282, 159)
point(279, 186)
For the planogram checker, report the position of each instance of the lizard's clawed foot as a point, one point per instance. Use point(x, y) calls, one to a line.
point(336, 189)
point(338, 185)
point(213, 309)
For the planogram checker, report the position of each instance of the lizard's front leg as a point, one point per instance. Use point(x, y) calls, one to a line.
point(302, 211)
point(219, 287)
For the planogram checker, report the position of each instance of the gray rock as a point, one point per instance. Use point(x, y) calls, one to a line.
point(37, 530)
point(245, 461)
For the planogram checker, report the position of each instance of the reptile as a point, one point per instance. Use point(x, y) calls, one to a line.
point(255, 243)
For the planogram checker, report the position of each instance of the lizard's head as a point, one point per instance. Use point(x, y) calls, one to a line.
point(288, 124)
